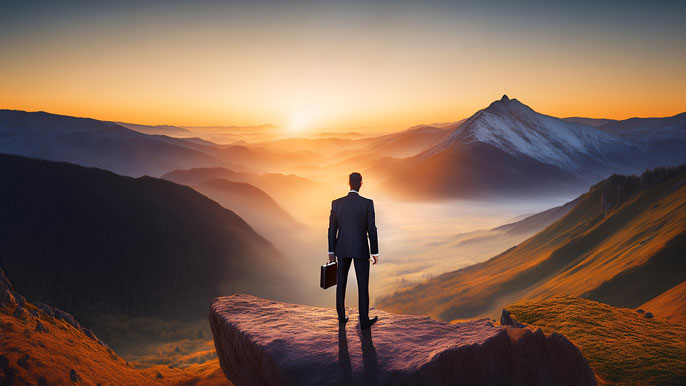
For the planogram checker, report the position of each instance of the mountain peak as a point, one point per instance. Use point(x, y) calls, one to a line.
point(504, 98)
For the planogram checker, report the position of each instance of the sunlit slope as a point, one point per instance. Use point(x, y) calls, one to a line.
point(97, 243)
point(623, 225)
point(622, 346)
point(669, 304)
point(43, 349)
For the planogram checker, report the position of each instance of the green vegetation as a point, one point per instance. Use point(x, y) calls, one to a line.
point(621, 345)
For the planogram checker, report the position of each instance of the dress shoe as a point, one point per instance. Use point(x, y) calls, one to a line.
point(344, 321)
point(369, 323)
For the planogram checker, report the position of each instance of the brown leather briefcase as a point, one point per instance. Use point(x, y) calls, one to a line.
point(328, 275)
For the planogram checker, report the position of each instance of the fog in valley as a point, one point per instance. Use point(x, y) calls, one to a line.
point(418, 238)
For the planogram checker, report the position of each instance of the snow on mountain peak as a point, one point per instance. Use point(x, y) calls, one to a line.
point(517, 129)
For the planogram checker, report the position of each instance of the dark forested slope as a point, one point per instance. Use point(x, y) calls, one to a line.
point(93, 242)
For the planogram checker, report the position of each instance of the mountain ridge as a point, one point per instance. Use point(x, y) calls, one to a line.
point(509, 150)
point(93, 242)
point(621, 223)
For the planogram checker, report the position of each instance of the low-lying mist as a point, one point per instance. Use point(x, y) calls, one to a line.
point(416, 241)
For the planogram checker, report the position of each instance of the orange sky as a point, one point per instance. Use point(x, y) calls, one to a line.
point(332, 67)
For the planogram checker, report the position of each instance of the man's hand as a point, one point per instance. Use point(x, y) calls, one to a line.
point(332, 257)
point(374, 259)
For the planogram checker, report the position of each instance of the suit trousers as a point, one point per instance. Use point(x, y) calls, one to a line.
point(362, 273)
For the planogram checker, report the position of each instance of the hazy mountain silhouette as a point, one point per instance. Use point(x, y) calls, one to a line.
point(538, 221)
point(663, 140)
point(156, 129)
point(93, 242)
point(251, 203)
point(623, 243)
point(402, 144)
point(90, 142)
point(265, 160)
point(508, 149)
point(593, 122)
point(286, 189)
point(647, 130)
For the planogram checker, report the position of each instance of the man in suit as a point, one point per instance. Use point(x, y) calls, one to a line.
point(350, 223)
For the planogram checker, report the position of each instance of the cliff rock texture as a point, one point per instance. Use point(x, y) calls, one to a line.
point(264, 342)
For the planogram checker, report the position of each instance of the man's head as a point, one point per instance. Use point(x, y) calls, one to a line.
point(355, 181)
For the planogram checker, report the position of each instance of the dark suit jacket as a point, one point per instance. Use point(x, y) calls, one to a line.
point(350, 222)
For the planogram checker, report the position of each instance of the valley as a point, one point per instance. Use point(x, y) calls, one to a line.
point(134, 229)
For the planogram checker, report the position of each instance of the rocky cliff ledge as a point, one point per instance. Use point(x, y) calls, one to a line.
point(264, 342)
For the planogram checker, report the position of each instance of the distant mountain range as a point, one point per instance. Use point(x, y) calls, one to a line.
point(96, 243)
point(111, 146)
point(89, 142)
point(288, 190)
point(623, 243)
point(508, 149)
point(505, 150)
point(156, 129)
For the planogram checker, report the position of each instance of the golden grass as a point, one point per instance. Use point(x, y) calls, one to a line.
point(574, 255)
point(621, 345)
point(53, 354)
point(669, 304)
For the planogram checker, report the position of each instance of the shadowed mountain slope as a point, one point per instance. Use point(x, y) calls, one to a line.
point(90, 142)
point(251, 203)
point(662, 140)
point(646, 130)
point(623, 227)
point(594, 122)
point(95, 243)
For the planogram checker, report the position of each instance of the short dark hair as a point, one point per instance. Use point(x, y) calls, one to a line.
point(355, 180)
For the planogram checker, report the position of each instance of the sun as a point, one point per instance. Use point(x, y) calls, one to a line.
point(299, 121)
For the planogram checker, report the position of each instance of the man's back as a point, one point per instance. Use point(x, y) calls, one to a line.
point(351, 220)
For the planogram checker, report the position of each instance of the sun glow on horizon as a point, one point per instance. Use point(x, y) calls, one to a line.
point(300, 122)
point(327, 65)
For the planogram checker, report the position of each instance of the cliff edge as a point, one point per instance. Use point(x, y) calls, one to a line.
point(264, 342)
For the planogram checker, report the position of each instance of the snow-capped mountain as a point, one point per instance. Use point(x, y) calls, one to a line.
point(510, 149)
point(515, 128)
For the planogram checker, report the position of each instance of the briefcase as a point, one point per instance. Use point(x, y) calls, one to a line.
point(328, 275)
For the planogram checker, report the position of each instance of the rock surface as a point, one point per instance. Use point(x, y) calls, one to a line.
point(264, 342)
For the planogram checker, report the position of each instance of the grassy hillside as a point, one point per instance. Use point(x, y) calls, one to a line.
point(97, 243)
point(621, 345)
point(669, 304)
point(623, 242)
point(38, 348)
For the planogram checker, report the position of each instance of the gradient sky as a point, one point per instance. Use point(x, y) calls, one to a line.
point(340, 65)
